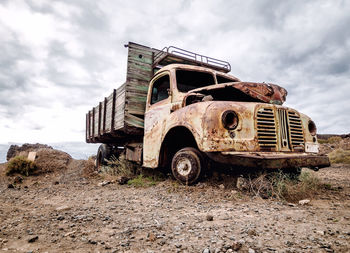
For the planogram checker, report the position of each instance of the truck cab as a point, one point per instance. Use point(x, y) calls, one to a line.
point(195, 112)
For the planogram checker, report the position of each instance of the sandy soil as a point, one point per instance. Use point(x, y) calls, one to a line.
point(65, 212)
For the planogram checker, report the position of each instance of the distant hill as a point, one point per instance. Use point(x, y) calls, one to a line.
point(78, 150)
point(326, 136)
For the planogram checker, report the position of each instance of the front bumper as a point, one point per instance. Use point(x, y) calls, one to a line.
point(270, 160)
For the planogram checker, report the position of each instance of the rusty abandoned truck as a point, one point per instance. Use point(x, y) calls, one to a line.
point(180, 109)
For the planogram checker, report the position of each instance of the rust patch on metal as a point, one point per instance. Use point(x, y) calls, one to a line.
point(265, 92)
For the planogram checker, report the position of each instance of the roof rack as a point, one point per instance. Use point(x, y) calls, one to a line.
point(173, 54)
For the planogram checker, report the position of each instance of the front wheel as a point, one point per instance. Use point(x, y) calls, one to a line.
point(187, 165)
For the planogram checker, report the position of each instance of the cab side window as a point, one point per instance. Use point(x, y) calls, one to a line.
point(160, 89)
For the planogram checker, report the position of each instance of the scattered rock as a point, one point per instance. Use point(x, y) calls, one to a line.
point(241, 183)
point(222, 186)
point(250, 250)
point(18, 180)
point(104, 183)
point(320, 232)
point(236, 246)
point(33, 239)
point(62, 208)
point(151, 237)
point(252, 232)
point(209, 217)
point(70, 234)
point(92, 241)
point(304, 202)
point(123, 180)
point(178, 245)
point(206, 250)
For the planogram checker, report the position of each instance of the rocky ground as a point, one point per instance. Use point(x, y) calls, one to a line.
point(67, 211)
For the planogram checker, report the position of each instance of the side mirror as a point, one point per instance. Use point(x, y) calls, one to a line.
point(169, 92)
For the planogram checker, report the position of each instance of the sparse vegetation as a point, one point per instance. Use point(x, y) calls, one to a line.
point(330, 140)
point(20, 165)
point(280, 186)
point(142, 181)
point(119, 166)
point(340, 156)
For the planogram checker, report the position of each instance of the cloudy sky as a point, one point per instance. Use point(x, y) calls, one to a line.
point(59, 58)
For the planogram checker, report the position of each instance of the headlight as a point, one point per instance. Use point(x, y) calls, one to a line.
point(229, 120)
point(312, 128)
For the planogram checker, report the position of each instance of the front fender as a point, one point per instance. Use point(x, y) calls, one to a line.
point(217, 138)
point(190, 117)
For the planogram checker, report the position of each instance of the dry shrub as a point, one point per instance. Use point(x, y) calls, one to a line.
point(48, 160)
point(280, 186)
point(89, 167)
point(307, 186)
point(119, 167)
point(340, 156)
point(20, 165)
point(334, 139)
point(322, 141)
point(330, 140)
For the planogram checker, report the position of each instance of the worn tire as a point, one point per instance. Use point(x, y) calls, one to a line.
point(187, 165)
point(104, 153)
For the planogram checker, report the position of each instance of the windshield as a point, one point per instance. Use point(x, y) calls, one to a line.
point(189, 80)
point(225, 79)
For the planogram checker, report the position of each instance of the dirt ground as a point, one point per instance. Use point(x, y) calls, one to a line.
point(65, 212)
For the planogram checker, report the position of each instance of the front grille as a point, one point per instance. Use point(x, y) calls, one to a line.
point(284, 135)
point(266, 128)
point(296, 130)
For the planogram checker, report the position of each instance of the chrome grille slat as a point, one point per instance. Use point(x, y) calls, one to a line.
point(266, 127)
point(297, 135)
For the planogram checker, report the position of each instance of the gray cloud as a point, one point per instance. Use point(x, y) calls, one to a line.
point(61, 58)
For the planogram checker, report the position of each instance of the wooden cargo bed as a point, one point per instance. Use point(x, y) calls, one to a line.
point(119, 118)
point(121, 114)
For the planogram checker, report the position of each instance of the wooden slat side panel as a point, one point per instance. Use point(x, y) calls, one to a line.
point(102, 106)
point(108, 119)
point(96, 120)
point(119, 110)
point(87, 134)
point(91, 124)
point(132, 120)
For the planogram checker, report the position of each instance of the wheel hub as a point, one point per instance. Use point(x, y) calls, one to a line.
point(184, 167)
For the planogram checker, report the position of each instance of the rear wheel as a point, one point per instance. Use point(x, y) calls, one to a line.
point(104, 153)
point(187, 165)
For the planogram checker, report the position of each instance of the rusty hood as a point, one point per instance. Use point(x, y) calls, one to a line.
point(264, 92)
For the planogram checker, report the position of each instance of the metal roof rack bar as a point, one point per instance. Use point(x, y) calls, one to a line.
point(197, 58)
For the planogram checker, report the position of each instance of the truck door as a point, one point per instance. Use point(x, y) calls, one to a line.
point(157, 110)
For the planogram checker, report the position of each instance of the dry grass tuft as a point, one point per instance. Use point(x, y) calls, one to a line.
point(20, 165)
point(280, 186)
point(89, 167)
point(142, 181)
point(119, 167)
point(340, 156)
